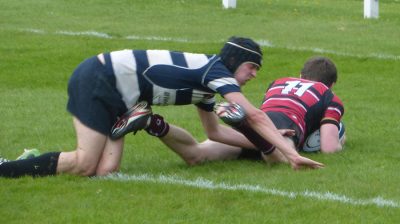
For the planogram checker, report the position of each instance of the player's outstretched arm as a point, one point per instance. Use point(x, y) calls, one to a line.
point(329, 139)
point(259, 121)
point(220, 133)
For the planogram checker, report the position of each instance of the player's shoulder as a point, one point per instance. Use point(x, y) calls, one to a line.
point(294, 79)
point(337, 100)
point(218, 69)
point(285, 79)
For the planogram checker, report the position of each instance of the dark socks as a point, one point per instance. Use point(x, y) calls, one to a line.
point(264, 146)
point(250, 154)
point(157, 127)
point(43, 165)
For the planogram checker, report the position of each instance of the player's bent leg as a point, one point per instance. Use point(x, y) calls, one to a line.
point(215, 151)
point(194, 153)
point(84, 160)
point(111, 158)
point(182, 143)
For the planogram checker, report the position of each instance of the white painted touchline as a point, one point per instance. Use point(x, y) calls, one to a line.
point(264, 43)
point(208, 184)
point(85, 33)
point(134, 37)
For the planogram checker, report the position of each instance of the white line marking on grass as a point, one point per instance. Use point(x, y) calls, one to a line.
point(34, 31)
point(319, 50)
point(86, 33)
point(181, 40)
point(264, 43)
point(208, 184)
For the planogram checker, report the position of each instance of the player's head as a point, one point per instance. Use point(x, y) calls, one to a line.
point(320, 69)
point(239, 50)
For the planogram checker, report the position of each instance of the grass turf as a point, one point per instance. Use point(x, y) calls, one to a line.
point(43, 41)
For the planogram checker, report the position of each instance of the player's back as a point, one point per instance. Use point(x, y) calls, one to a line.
point(303, 101)
point(163, 77)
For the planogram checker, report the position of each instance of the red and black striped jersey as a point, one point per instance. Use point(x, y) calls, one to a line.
point(307, 103)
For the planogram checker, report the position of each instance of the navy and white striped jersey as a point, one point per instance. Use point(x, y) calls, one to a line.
point(163, 77)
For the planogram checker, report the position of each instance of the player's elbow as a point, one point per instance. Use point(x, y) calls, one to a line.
point(331, 148)
point(214, 136)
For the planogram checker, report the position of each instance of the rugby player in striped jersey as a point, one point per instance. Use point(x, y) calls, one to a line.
point(118, 88)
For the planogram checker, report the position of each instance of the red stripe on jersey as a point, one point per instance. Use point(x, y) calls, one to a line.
point(303, 101)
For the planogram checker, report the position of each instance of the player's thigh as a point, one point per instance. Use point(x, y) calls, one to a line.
point(83, 161)
point(218, 151)
point(90, 145)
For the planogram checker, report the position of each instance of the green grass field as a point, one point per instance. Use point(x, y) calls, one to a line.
point(42, 41)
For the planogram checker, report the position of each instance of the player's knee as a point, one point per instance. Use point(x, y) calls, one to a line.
point(84, 167)
point(105, 170)
point(194, 158)
point(80, 164)
point(194, 161)
point(85, 170)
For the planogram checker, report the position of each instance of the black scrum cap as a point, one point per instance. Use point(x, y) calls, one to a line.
point(238, 50)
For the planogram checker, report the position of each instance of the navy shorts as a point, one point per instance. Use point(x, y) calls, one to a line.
point(93, 97)
point(281, 121)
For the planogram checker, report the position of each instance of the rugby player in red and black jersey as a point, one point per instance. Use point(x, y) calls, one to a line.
point(306, 104)
point(302, 104)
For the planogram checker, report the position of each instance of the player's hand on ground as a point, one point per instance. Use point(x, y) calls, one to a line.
point(303, 162)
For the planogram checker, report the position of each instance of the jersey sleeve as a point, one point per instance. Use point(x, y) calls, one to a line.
point(220, 79)
point(207, 104)
point(334, 112)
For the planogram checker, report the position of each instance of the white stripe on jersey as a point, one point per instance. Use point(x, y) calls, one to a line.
point(312, 94)
point(335, 109)
point(276, 87)
point(195, 61)
point(198, 96)
point(308, 91)
point(156, 57)
point(163, 96)
point(124, 65)
point(286, 99)
point(216, 83)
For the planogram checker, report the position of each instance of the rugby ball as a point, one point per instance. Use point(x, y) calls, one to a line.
point(312, 143)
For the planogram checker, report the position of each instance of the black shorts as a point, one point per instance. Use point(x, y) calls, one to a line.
point(281, 121)
point(93, 97)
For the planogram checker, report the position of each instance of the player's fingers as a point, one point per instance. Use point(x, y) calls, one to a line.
point(318, 166)
point(287, 132)
point(307, 163)
point(315, 164)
